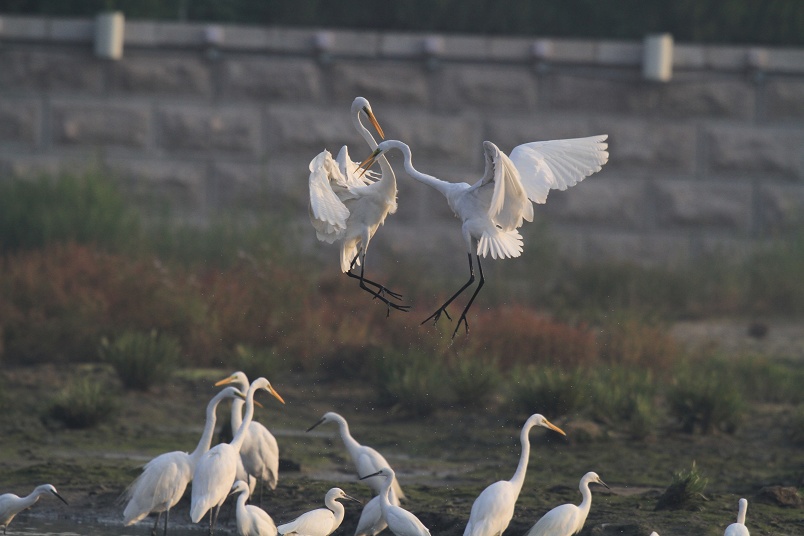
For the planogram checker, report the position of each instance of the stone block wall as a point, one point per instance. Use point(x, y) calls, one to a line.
point(712, 161)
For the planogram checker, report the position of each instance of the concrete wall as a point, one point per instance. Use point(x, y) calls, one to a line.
point(712, 159)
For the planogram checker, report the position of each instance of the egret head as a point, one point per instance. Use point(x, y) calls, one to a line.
point(387, 472)
point(238, 378)
point(262, 383)
point(48, 488)
point(329, 416)
point(361, 104)
point(538, 420)
point(239, 487)
point(592, 478)
point(337, 493)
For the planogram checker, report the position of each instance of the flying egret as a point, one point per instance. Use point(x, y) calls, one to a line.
point(260, 451)
point(11, 505)
point(366, 459)
point(568, 519)
point(163, 480)
point(322, 521)
point(216, 469)
point(251, 520)
point(349, 208)
point(494, 507)
point(400, 521)
point(494, 207)
point(739, 528)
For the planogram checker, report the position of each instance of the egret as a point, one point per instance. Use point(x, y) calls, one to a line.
point(260, 451)
point(494, 207)
point(349, 208)
point(163, 480)
point(739, 528)
point(494, 507)
point(568, 519)
point(654, 533)
point(216, 469)
point(366, 459)
point(372, 521)
point(322, 521)
point(251, 520)
point(400, 521)
point(11, 505)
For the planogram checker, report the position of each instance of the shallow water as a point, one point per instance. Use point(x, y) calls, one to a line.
point(61, 527)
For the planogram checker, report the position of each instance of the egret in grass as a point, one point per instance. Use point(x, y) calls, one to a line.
point(11, 505)
point(492, 209)
point(568, 519)
point(321, 521)
point(494, 507)
point(739, 528)
point(163, 480)
point(366, 459)
point(400, 521)
point(251, 520)
point(260, 451)
point(216, 469)
point(348, 208)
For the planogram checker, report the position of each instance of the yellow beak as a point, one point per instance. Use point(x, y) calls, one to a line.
point(555, 428)
point(366, 164)
point(374, 122)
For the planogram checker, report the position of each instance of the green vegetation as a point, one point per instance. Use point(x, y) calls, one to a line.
point(685, 492)
point(142, 360)
point(83, 403)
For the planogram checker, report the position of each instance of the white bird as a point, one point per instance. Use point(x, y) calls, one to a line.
point(654, 533)
point(322, 521)
point(260, 451)
point(494, 207)
point(739, 528)
point(216, 470)
point(400, 521)
point(163, 480)
point(567, 519)
point(372, 521)
point(494, 507)
point(11, 505)
point(366, 459)
point(251, 520)
point(347, 208)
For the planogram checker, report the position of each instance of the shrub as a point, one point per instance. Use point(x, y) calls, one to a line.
point(473, 381)
point(704, 397)
point(629, 340)
point(769, 379)
point(686, 490)
point(548, 390)
point(142, 360)
point(411, 381)
point(83, 403)
point(625, 396)
point(257, 362)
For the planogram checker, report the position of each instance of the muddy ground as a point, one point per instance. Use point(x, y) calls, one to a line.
point(443, 461)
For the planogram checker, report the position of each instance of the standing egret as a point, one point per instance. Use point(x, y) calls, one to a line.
point(11, 505)
point(321, 521)
point(568, 519)
point(216, 470)
point(739, 528)
point(349, 208)
point(163, 480)
point(260, 451)
point(372, 521)
point(494, 207)
point(494, 507)
point(400, 521)
point(251, 520)
point(366, 459)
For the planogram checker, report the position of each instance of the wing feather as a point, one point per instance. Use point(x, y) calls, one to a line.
point(328, 214)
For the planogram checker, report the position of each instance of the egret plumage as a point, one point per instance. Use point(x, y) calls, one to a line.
point(251, 520)
point(494, 507)
point(321, 521)
point(568, 519)
point(11, 505)
point(400, 521)
point(492, 209)
point(739, 528)
point(372, 521)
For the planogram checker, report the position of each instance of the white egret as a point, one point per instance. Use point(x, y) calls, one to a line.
point(163, 480)
point(366, 459)
point(494, 207)
point(11, 505)
point(654, 533)
point(568, 519)
point(400, 521)
point(260, 451)
point(349, 208)
point(372, 521)
point(321, 521)
point(494, 507)
point(216, 469)
point(739, 528)
point(251, 520)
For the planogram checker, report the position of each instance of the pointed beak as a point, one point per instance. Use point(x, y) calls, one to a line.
point(276, 395)
point(316, 424)
point(603, 484)
point(225, 381)
point(374, 122)
point(345, 496)
point(371, 475)
point(60, 497)
point(555, 428)
point(366, 164)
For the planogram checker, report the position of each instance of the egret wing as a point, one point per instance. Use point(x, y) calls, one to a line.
point(327, 211)
point(351, 170)
point(509, 204)
point(317, 521)
point(560, 520)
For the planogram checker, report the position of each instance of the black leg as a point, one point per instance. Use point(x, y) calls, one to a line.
point(214, 520)
point(156, 523)
point(167, 515)
point(210, 522)
point(377, 294)
point(381, 289)
point(468, 305)
point(443, 309)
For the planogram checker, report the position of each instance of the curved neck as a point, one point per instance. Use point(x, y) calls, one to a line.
point(30, 499)
point(387, 171)
point(349, 442)
point(209, 428)
point(429, 180)
point(237, 413)
point(519, 475)
point(385, 503)
point(241, 499)
point(586, 502)
point(240, 435)
point(741, 513)
point(338, 510)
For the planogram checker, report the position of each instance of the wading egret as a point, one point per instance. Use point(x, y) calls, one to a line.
point(494, 507)
point(567, 519)
point(366, 459)
point(163, 480)
point(400, 521)
point(322, 521)
point(494, 207)
point(260, 451)
point(739, 528)
point(349, 208)
point(251, 520)
point(11, 505)
point(216, 469)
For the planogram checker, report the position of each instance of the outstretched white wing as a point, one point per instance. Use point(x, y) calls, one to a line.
point(558, 164)
point(509, 204)
point(351, 170)
point(328, 187)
